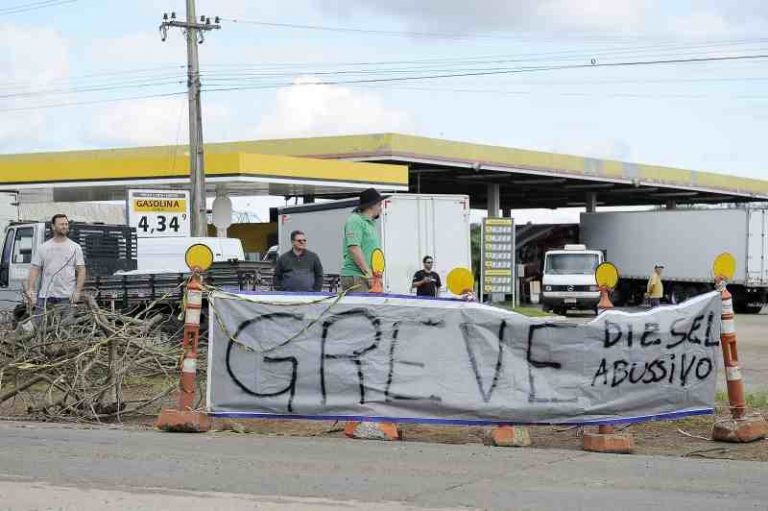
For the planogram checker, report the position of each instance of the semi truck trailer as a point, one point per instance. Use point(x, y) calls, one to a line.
point(685, 242)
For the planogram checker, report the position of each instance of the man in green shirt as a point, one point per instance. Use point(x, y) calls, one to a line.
point(361, 238)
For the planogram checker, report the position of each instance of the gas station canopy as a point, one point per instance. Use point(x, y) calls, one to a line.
point(107, 174)
point(527, 179)
point(341, 166)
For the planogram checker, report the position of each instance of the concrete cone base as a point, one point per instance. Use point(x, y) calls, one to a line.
point(507, 436)
point(616, 443)
point(372, 431)
point(740, 430)
point(183, 421)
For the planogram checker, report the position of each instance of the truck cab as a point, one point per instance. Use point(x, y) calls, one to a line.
point(106, 249)
point(568, 280)
point(16, 259)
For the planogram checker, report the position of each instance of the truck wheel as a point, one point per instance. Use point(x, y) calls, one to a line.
point(679, 294)
point(752, 309)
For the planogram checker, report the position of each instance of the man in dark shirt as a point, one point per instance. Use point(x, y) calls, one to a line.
point(298, 269)
point(426, 281)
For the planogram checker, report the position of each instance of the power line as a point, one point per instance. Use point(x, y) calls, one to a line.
point(34, 6)
point(506, 71)
point(99, 76)
point(405, 33)
point(384, 79)
point(397, 33)
point(627, 95)
point(100, 88)
point(514, 57)
point(104, 80)
point(94, 102)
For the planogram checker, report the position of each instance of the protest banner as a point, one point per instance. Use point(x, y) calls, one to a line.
point(400, 359)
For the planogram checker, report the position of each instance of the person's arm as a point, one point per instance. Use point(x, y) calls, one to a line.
point(277, 277)
point(79, 283)
point(79, 273)
point(318, 267)
point(34, 274)
point(651, 284)
point(417, 282)
point(359, 259)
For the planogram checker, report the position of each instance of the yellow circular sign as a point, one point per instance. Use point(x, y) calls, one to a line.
point(199, 257)
point(607, 275)
point(724, 266)
point(377, 261)
point(460, 280)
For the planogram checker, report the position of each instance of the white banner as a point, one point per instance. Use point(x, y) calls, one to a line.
point(402, 359)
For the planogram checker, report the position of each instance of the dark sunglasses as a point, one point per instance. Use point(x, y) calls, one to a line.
point(300, 241)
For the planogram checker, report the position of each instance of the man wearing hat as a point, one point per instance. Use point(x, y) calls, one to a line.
point(360, 240)
point(655, 290)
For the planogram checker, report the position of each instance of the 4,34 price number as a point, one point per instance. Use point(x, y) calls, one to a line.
point(160, 223)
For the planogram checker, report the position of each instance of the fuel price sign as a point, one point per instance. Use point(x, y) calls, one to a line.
point(159, 213)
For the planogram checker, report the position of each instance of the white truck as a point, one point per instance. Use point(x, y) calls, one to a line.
point(568, 279)
point(411, 226)
point(9, 211)
point(686, 242)
point(109, 250)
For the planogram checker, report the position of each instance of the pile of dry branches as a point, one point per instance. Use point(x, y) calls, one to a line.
point(86, 363)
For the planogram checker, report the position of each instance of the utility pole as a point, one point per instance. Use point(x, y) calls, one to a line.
point(194, 32)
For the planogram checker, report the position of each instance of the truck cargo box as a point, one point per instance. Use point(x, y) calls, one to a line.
point(411, 226)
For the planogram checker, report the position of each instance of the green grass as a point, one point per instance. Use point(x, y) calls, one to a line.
point(533, 312)
point(753, 399)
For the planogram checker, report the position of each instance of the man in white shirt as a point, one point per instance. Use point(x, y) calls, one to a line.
point(60, 261)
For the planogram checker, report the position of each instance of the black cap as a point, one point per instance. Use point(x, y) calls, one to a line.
point(368, 198)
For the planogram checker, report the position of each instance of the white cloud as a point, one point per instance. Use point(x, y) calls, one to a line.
point(700, 25)
point(311, 108)
point(604, 17)
point(142, 122)
point(143, 49)
point(33, 55)
point(152, 121)
point(613, 16)
point(32, 59)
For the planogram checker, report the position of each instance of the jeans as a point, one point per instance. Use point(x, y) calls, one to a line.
point(45, 306)
point(655, 302)
point(53, 300)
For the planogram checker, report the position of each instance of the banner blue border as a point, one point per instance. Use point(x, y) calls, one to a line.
point(317, 294)
point(465, 422)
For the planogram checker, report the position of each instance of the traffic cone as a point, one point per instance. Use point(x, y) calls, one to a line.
point(507, 436)
point(607, 439)
point(740, 428)
point(386, 431)
point(185, 419)
point(605, 300)
point(373, 430)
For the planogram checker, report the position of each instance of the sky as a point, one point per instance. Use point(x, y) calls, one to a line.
point(555, 75)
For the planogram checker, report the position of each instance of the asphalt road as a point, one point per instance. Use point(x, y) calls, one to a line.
point(60, 468)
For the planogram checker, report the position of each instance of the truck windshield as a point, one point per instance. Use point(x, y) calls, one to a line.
point(570, 264)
